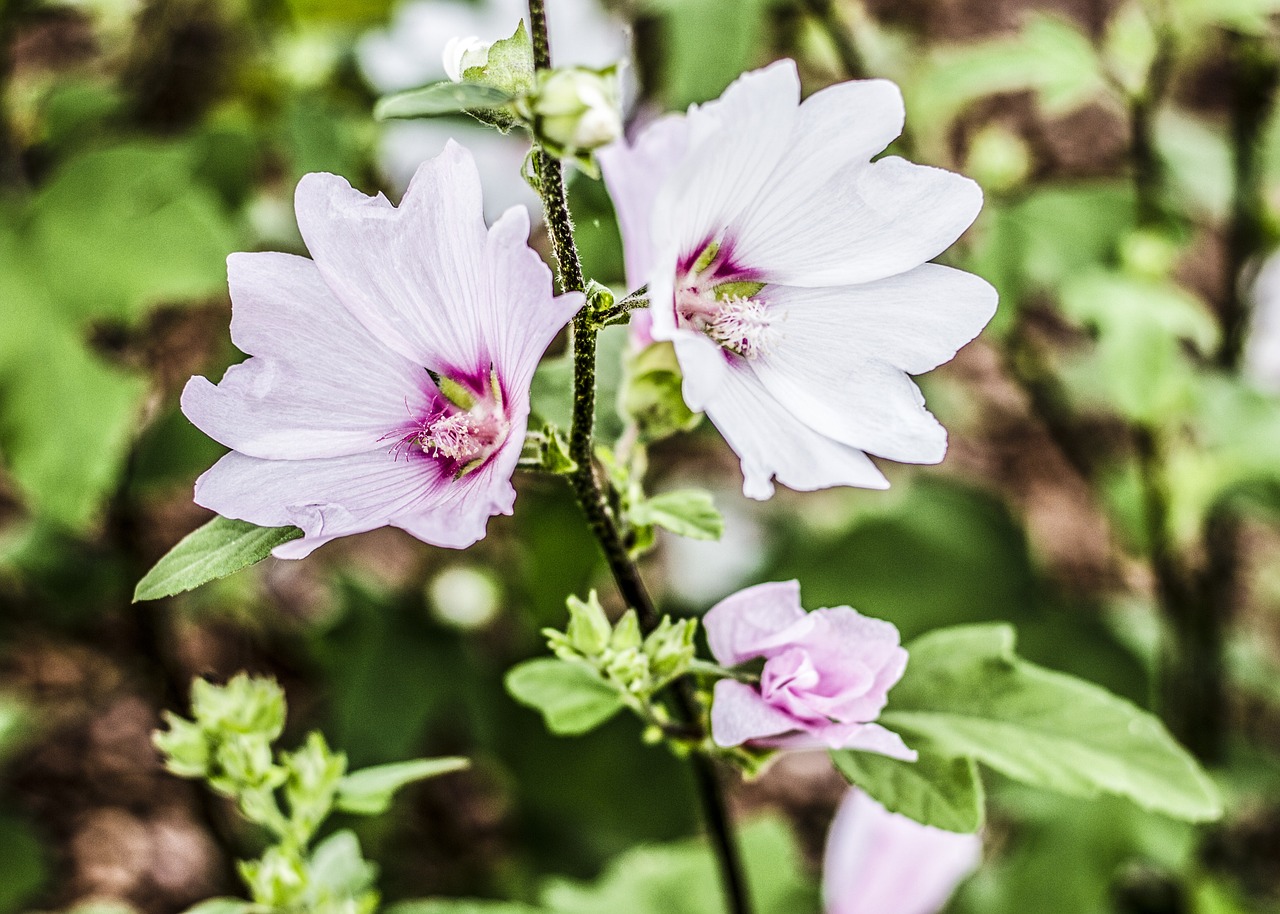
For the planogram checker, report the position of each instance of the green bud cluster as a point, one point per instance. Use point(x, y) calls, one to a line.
point(229, 743)
point(634, 664)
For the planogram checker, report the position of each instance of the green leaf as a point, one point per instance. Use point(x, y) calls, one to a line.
point(571, 698)
point(338, 867)
point(120, 230)
point(509, 65)
point(968, 694)
point(219, 548)
point(685, 512)
point(937, 789)
point(439, 98)
point(368, 791)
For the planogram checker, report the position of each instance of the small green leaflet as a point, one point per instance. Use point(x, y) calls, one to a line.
point(937, 789)
point(686, 512)
point(368, 792)
point(509, 65)
point(439, 98)
point(217, 549)
point(571, 698)
point(968, 694)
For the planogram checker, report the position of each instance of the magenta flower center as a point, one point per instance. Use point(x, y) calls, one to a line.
point(465, 438)
point(464, 426)
point(720, 300)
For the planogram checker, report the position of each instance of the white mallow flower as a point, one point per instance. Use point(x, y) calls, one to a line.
point(790, 271)
point(462, 53)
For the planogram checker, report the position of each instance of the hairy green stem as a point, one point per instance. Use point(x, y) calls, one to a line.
point(594, 498)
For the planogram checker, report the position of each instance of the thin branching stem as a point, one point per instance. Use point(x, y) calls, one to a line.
point(590, 492)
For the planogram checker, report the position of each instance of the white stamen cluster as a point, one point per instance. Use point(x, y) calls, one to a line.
point(744, 326)
point(458, 437)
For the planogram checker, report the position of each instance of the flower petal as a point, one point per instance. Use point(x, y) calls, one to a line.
point(326, 497)
point(915, 321)
point(413, 275)
point(734, 144)
point(843, 351)
point(634, 174)
point(878, 862)
point(860, 658)
point(853, 224)
point(771, 441)
point(828, 735)
point(738, 714)
point(737, 624)
point(459, 517)
point(318, 385)
point(519, 316)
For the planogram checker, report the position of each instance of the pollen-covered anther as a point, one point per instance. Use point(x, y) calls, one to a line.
point(462, 437)
point(743, 325)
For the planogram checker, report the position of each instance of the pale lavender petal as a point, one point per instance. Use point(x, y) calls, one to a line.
point(856, 224)
point(738, 714)
point(326, 497)
point(634, 174)
point(860, 660)
point(318, 385)
point(842, 359)
point(878, 862)
point(461, 514)
point(735, 142)
point(772, 442)
point(413, 275)
point(519, 316)
point(737, 624)
point(915, 321)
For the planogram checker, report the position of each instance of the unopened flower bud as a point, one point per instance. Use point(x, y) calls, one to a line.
point(577, 110)
point(626, 634)
point(629, 668)
point(462, 53)
point(670, 648)
point(589, 628)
